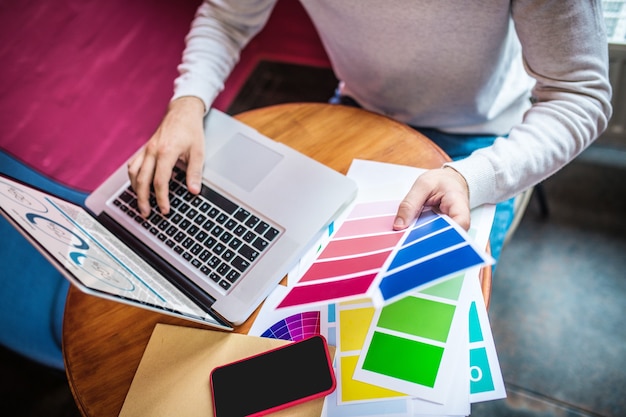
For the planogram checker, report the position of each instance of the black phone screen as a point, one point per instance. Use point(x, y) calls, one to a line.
point(273, 380)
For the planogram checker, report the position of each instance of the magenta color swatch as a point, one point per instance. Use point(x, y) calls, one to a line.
point(322, 292)
point(360, 245)
point(348, 266)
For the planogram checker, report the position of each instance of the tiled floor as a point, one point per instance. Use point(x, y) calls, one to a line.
point(558, 298)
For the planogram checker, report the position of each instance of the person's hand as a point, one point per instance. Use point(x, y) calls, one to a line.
point(179, 136)
point(442, 188)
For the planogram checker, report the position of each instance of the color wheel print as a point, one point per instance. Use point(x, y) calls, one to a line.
point(295, 327)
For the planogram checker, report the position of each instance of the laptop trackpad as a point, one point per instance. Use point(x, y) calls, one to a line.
point(244, 161)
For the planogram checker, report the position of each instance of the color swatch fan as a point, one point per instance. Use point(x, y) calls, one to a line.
point(367, 258)
point(295, 327)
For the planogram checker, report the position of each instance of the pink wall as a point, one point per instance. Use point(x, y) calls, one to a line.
point(84, 83)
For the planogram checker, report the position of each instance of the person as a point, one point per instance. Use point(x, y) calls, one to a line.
point(512, 90)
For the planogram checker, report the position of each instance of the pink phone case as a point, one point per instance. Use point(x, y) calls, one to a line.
point(265, 389)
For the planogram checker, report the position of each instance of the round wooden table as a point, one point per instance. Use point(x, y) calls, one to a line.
point(103, 341)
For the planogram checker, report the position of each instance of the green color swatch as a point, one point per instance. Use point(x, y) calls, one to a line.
point(403, 359)
point(449, 289)
point(418, 317)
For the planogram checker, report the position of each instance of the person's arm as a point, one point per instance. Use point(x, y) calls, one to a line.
point(565, 49)
point(179, 136)
point(219, 31)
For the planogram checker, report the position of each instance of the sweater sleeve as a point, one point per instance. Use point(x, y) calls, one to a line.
point(565, 50)
point(219, 31)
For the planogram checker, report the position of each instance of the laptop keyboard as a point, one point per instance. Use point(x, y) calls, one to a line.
point(215, 235)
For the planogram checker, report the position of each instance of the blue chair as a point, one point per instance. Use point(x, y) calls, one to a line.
point(33, 292)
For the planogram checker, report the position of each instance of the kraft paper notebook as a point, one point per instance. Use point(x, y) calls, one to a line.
point(173, 376)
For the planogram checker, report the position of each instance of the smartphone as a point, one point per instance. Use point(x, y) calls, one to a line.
point(273, 380)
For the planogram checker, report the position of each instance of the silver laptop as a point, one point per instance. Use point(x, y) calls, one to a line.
point(217, 255)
